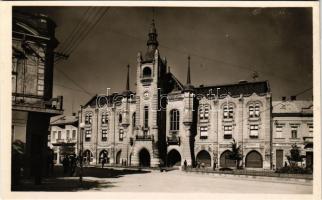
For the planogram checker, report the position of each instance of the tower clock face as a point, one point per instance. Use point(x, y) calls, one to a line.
point(146, 95)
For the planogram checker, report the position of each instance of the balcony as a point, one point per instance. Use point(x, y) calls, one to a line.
point(173, 140)
point(35, 103)
point(144, 137)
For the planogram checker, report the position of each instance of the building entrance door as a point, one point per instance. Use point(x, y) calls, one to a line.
point(279, 158)
point(144, 158)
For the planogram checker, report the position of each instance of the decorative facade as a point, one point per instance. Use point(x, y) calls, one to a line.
point(165, 122)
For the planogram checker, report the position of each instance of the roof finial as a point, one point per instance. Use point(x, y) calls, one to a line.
point(128, 78)
point(188, 73)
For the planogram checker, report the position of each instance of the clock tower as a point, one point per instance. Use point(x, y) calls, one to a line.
point(150, 70)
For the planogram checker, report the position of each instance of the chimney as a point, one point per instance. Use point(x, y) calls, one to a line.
point(293, 98)
point(283, 98)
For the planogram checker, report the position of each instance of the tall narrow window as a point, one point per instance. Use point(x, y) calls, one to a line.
point(279, 131)
point(254, 110)
point(104, 135)
point(67, 134)
point(74, 134)
point(174, 120)
point(121, 134)
point(104, 118)
point(133, 120)
point(146, 116)
point(294, 132)
point(59, 135)
point(310, 126)
point(251, 111)
point(257, 111)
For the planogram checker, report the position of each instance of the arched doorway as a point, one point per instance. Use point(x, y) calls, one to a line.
point(103, 155)
point(144, 158)
point(254, 160)
point(225, 162)
point(174, 158)
point(118, 157)
point(204, 158)
point(87, 156)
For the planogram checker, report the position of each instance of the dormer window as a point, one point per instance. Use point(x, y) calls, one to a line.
point(147, 72)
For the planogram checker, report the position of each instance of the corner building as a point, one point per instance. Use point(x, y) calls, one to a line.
point(166, 122)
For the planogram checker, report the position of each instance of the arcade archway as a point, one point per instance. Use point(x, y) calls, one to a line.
point(144, 158)
point(204, 158)
point(254, 160)
point(225, 161)
point(174, 158)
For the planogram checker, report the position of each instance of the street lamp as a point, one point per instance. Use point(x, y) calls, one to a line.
point(81, 126)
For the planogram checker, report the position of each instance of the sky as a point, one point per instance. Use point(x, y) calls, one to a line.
point(226, 45)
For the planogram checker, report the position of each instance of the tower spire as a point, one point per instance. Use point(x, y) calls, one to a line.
point(128, 78)
point(188, 73)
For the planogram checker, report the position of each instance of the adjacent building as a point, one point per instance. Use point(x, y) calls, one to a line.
point(292, 124)
point(33, 44)
point(166, 122)
point(63, 137)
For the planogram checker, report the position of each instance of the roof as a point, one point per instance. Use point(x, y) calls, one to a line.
point(295, 106)
point(236, 89)
point(103, 100)
point(64, 120)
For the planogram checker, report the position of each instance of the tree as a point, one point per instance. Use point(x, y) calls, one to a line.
point(235, 153)
point(295, 155)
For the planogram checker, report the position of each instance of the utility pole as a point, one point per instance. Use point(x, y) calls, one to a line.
point(81, 125)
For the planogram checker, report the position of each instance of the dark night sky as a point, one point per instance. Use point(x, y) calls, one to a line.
point(225, 45)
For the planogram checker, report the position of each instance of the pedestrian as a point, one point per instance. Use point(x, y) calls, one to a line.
point(66, 164)
point(185, 165)
point(215, 165)
point(103, 161)
point(285, 164)
point(72, 165)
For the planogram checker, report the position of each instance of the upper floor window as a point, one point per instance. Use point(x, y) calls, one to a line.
point(67, 134)
point(120, 118)
point(54, 134)
point(310, 126)
point(104, 118)
point(228, 112)
point(147, 72)
point(59, 135)
point(204, 112)
point(279, 130)
point(104, 135)
point(88, 135)
point(293, 132)
point(74, 134)
point(228, 132)
point(174, 120)
point(254, 110)
point(203, 132)
point(253, 131)
point(146, 116)
point(121, 134)
point(88, 118)
point(134, 120)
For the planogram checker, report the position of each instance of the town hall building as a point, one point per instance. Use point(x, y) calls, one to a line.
point(166, 122)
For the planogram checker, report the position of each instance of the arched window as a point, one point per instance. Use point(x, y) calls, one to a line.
point(147, 72)
point(174, 120)
point(228, 111)
point(204, 112)
point(254, 110)
point(133, 120)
